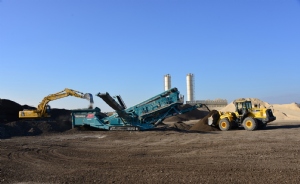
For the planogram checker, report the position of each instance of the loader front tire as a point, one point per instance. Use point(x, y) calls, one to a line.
point(250, 124)
point(224, 124)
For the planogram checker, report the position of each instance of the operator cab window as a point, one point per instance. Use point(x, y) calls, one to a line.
point(239, 108)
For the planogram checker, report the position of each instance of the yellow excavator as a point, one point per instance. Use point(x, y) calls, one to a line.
point(251, 118)
point(43, 108)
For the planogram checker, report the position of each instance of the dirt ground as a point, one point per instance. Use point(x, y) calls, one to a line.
point(158, 156)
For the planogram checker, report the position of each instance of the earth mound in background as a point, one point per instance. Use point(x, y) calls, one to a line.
point(231, 108)
point(9, 110)
point(286, 111)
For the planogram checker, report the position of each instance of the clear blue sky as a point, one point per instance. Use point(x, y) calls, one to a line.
point(248, 48)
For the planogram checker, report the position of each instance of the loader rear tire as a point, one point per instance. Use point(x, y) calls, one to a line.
point(250, 124)
point(224, 124)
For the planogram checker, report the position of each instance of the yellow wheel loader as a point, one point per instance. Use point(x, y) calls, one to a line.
point(245, 115)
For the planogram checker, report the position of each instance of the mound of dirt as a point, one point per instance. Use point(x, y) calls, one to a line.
point(31, 128)
point(286, 111)
point(291, 106)
point(9, 110)
point(199, 126)
point(202, 125)
point(176, 118)
point(192, 115)
point(12, 125)
point(61, 115)
point(181, 126)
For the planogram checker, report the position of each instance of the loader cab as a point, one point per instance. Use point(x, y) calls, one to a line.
point(243, 106)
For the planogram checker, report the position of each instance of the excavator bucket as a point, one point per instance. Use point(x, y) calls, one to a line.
point(89, 97)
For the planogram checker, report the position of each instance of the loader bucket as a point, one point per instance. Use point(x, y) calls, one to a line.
point(213, 118)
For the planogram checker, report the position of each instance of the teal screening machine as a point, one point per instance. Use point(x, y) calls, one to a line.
point(144, 116)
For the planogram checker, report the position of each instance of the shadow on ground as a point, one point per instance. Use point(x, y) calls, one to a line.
point(282, 127)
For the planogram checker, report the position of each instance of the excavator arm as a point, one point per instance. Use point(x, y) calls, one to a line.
point(43, 107)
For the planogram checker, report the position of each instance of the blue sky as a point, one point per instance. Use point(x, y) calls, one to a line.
point(248, 48)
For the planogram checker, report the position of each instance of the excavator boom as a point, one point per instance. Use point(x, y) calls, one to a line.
point(43, 108)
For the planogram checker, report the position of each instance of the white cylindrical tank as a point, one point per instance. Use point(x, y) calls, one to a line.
point(190, 85)
point(167, 82)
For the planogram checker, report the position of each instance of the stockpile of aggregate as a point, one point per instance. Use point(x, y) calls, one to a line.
point(192, 115)
point(202, 125)
point(181, 126)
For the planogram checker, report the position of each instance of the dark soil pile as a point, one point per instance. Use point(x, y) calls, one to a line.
point(61, 115)
point(202, 125)
point(176, 118)
point(12, 125)
point(9, 110)
point(181, 126)
point(30, 128)
point(192, 115)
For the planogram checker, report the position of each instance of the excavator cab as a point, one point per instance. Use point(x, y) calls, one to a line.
point(48, 109)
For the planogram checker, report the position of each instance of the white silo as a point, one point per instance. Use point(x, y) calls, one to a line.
point(167, 82)
point(190, 85)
